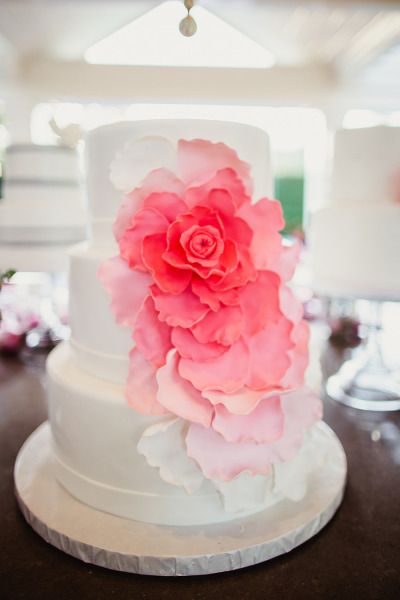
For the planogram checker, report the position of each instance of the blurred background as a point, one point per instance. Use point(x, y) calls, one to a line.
point(299, 70)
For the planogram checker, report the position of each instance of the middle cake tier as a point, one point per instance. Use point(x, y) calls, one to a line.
point(99, 346)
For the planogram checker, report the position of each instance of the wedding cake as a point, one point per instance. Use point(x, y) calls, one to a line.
point(180, 398)
point(42, 211)
point(355, 240)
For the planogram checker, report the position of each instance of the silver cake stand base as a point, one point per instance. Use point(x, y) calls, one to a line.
point(125, 545)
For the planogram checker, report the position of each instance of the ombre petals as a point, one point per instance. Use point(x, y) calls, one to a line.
point(260, 301)
point(179, 397)
point(168, 204)
point(152, 337)
point(263, 425)
point(128, 289)
point(294, 376)
point(141, 386)
point(179, 310)
point(227, 373)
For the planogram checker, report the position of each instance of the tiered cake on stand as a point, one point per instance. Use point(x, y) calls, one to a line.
point(182, 439)
point(355, 246)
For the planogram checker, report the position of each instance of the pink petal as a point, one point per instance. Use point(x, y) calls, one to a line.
point(168, 204)
point(141, 386)
point(235, 228)
point(179, 397)
point(188, 347)
point(169, 279)
point(241, 402)
point(302, 408)
point(146, 222)
point(259, 301)
point(294, 376)
point(287, 261)
point(219, 459)
point(183, 309)
point(162, 180)
point(269, 359)
point(152, 336)
point(266, 220)
point(290, 306)
point(207, 296)
point(224, 326)
point(226, 373)
point(128, 289)
point(263, 425)
point(129, 207)
point(198, 159)
point(224, 179)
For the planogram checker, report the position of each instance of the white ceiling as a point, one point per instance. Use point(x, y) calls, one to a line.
point(296, 32)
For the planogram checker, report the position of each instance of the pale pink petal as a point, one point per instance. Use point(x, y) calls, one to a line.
point(290, 305)
point(129, 207)
point(188, 347)
point(183, 310)
point(242, 402)
point(141, 385)
point(226, 373)
point(268, 355)
point(152, 336)
point(265, 218)
point(226, 180)
point(198, 159)
point(287, 261)
point(128, 289)
point(219, 459)
point(147, 222)
point(169, 279)
point(294, 376)
point(168, 204)
point(263, 425)
point(179, 397)
point(224, 326)
point(207, 296)
point(302, 408)
point(260, 302)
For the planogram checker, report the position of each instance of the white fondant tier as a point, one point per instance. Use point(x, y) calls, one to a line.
point(41, 206)
point(95, 436)
point(357, 252)
point(99, 345)
point(32, 162)
point(104, 143)
point(366, 166)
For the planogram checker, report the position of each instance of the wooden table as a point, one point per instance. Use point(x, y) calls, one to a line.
point(356, 556)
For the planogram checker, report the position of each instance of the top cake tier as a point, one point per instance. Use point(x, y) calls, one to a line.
point(366, 166)
point(32, 163)
point(104, 144)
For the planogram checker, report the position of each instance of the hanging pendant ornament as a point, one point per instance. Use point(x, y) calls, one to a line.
point(188, 26)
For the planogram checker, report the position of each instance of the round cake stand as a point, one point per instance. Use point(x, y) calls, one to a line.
point(125, 545)
point(366, 382)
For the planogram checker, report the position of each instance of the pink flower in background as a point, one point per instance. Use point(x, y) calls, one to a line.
point(220, 340)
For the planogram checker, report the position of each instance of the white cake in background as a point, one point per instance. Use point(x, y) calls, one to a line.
point(95, 431)
point(42, 211)
point(355, 240)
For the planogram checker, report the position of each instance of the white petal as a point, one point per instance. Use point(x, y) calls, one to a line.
point(245, 492)
point(163, 446)
point(291, 477)
point(138, 158)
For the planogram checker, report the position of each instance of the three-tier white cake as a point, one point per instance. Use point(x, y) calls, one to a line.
point(96, 433)
point(355, 240)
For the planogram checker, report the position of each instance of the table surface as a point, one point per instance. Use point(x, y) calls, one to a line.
point(356, 556)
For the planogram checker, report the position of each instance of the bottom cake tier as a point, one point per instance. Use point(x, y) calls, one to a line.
point(95, 437)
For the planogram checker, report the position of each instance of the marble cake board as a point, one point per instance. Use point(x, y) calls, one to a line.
point(131, 546)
